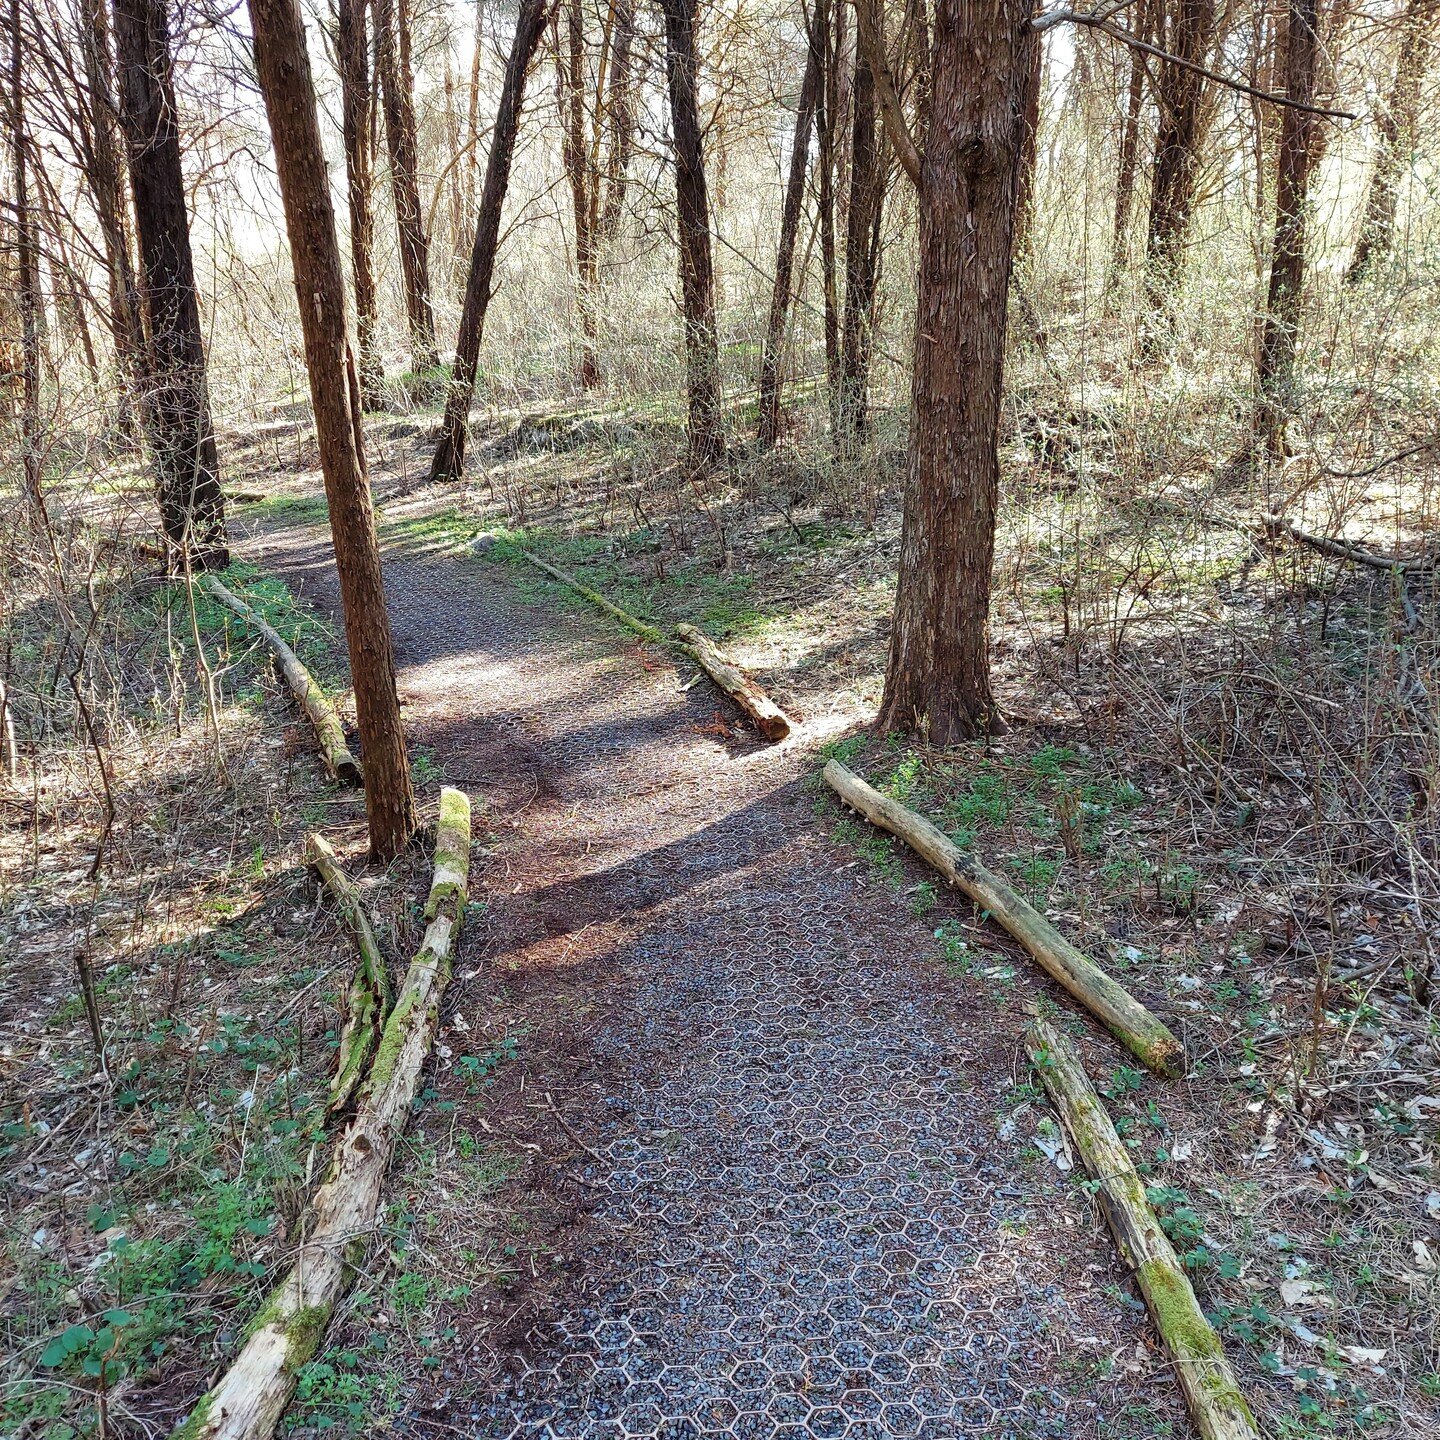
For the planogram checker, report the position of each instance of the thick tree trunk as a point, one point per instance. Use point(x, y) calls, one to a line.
point(192, 508)
point(107, 190)
point(1182, 96)
point(352, 46)
point(397, 94)
point(937, 679)
point(785, 251)
point(692, 204)
point(283, 67)
point(1395, 151)
point(867, 185)
point(1287, 256)
point(449, 459)
point(28, 266)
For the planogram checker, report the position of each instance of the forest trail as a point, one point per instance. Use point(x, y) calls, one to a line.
point(781, 1200)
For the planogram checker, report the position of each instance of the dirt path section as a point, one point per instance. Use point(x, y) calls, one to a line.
point(761, 1166)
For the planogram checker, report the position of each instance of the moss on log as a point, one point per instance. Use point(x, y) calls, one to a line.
point(1126, 1018)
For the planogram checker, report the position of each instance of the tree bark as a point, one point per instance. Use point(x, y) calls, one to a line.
point(620, 120)
point(192, 507)
point(697, 273)
point(1182, 96)
point(827, 108)
point(1276, 371)
point(1029, 151)
point(27, 264)
point(352, 46)
point(570, 75)
point(283, 68)
point(785, 251)
point(1129, 150)
point(867, 185)
point(107, 191)
point(397, 93)
point(448, 462)
point(1395, 150)
point(937, 679)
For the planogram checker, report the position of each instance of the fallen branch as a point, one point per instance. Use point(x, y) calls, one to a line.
point(645, 631)
point(367, 1002)
point(310, 697)
point(1128, 1020)
point(1339, 549)
point(768, 718)
point(250, 1398)
point(1216, 1405)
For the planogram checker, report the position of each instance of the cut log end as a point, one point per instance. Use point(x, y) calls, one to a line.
point(766, 716)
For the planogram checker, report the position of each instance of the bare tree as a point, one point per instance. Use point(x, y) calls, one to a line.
point(283, 67)
point(1395, 149)
point(1129, 160)
point(785, 251)
point(397, 95)
point(1287, 255)
point(862, 223)
point(937, 678)
point(26, 264)
point(192, 507)
point(692, 204)
point(448, 462)
point(352, 49)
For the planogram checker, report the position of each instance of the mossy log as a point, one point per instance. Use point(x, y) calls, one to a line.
point(1217, 1407)
point(367, 1001)
point(640, 627)
point(767, 717)
point(302, 685)
point(250, 1398)
point(1127, 1019)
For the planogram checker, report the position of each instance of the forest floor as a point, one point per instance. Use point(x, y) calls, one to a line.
point(730, 1129)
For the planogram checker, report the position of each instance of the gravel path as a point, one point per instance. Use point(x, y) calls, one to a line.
point(794, 1212)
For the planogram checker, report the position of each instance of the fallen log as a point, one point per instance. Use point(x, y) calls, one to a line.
point(767, 717)
point(368, 999)
point(631, 622)
point(1216, 1405)
point(1340, 549)
point(252, 1395)
point(1127, 1019)
point(308, 694)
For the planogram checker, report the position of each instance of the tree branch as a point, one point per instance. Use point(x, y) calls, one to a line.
point(895, 127)
point(1099, 21)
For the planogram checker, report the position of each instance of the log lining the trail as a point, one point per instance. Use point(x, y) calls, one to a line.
point(1127, 1019)
point(767, 717)
point(251, 1397)
point(1216, 1405)
point(368, 999)
point(302, 685)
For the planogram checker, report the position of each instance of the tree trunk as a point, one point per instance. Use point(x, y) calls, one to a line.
point(1287, 256)
point(785, 252)
point(283, 68)
point(352, 46)
point(449, 459)
point(620, 118)
point(867, 184)
point(392, 54)
point(937, 679)
point(1395, 151)
point(1182, 97)
point(1029, 151)
point(571, 85)
point(192, 508)
point(826, 108)
point(692, 204)
point(28, 267)
point(1129, 150)
point(107, 191)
